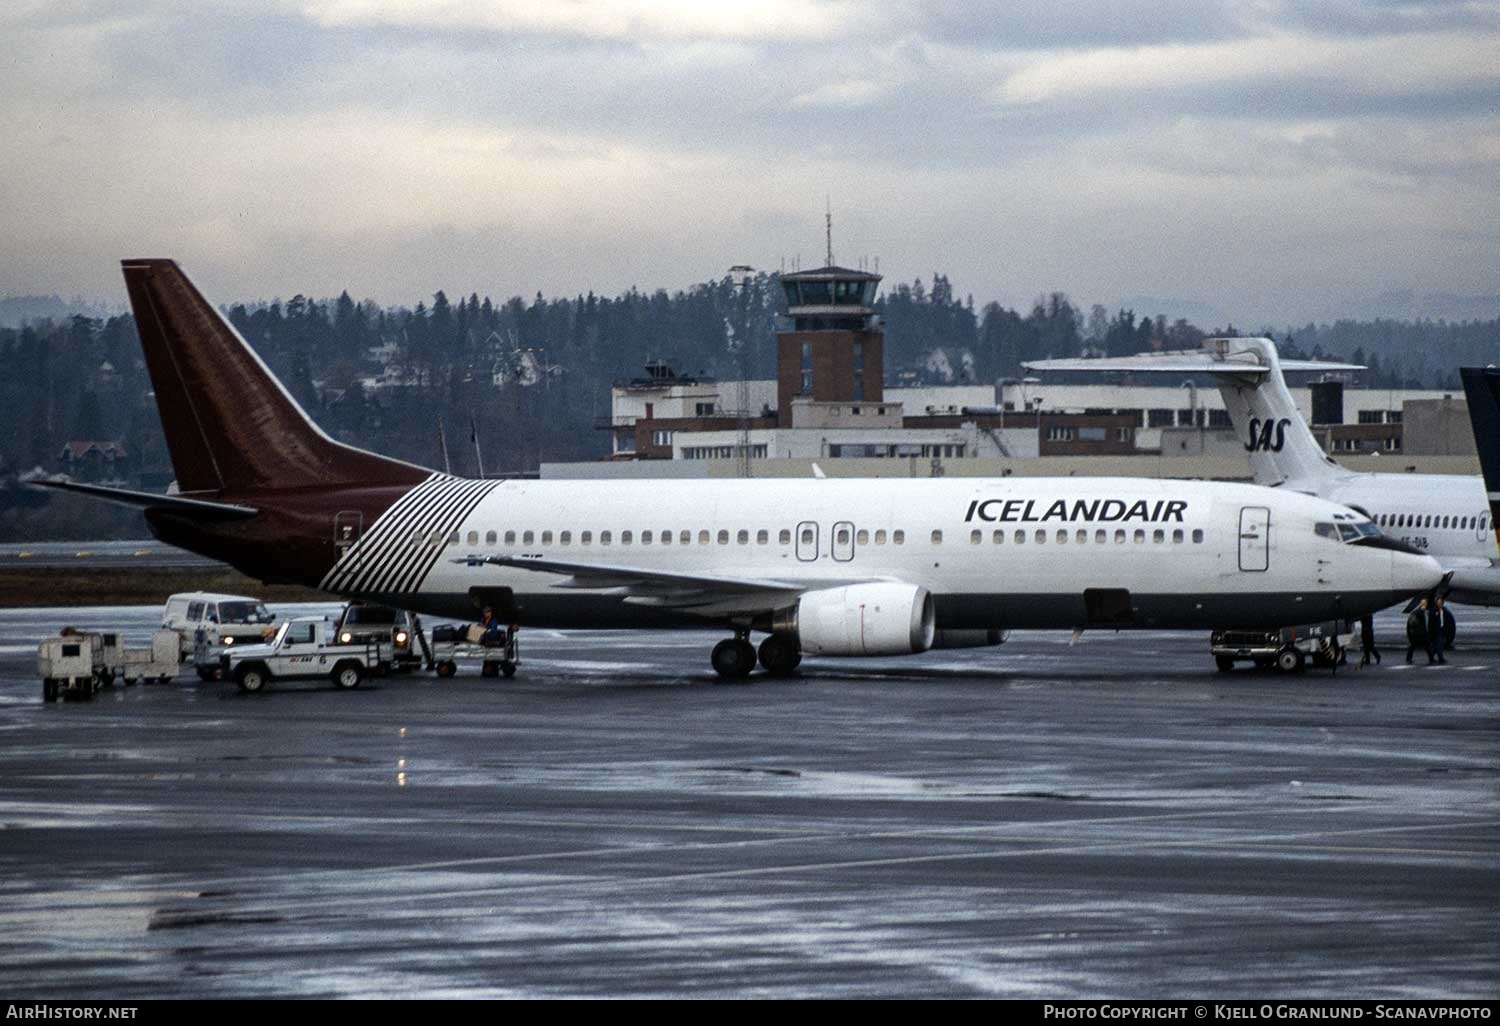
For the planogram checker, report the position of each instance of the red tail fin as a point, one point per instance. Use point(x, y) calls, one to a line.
point(230, 425)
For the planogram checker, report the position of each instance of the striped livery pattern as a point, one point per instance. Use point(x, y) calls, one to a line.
point(403, 545)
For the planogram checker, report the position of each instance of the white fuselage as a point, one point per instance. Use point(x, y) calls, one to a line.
point(1446, 516)
point(994, 553)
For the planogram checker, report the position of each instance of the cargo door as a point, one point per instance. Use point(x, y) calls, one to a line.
point(1255, 539)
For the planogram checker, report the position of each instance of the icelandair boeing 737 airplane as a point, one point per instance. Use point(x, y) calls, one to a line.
point(824, 567)
point(1444, 515)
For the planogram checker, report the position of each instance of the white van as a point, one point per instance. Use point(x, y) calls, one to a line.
point(209, 622)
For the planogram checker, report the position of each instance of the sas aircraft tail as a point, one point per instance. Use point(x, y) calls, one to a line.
point(1279, 444)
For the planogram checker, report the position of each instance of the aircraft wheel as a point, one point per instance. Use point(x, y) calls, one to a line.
point(1290, 660)
point(779, 655)
point(1224, 663)
point(733, 659)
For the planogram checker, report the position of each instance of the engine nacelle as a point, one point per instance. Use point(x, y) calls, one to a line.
point(982, 638)
point(861, 620)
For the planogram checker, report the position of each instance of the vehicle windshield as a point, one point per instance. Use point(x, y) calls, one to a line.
point(244, 612)
point(371, 614)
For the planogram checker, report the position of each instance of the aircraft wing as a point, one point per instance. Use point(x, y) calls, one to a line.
point(704, 594)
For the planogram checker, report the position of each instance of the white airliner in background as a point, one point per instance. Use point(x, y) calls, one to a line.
point(826, 567)
point(1447, 516)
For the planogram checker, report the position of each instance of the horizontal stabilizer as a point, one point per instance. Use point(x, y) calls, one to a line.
point(200, 508)
point(1220, 358)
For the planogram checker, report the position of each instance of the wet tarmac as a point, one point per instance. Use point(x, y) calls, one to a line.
point(1113, 819)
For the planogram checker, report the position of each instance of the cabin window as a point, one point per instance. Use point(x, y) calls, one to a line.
point(1197, 536)
point(566, 538)
point(1020, 538)
point(586, 538)
point(510, 537)
point(1158, 536)
point(702, 537)
point(975, 537)
point(763, 537)
point(1062, 536)
point(666, 537)
point(528, 537)
point(546, 537)
point(1140, 536)
point(473, 537)
point(489, 537)
point(1120, 536)
point(723, 537)
point(1177, 536)
point(937, 537)
point(880, 537)
point(861, 537)
point(807, 536)
point(784, 537)
point(998, 537)
point(1041, 536)
point(453, 538)
point(1101, 536)
point(605, 537)
point(1081, 537)
point(645, 537)
point(898, 537)
point(685, 537)
point(626, 537)
point(742, 538)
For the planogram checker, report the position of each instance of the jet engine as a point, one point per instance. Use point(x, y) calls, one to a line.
point(861, 620)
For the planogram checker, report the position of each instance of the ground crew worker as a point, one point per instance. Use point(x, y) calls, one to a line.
point(1367, 640)
point(1435, 616)
point(1416, 629)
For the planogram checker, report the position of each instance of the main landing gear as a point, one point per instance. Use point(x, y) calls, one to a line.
point(734, 658)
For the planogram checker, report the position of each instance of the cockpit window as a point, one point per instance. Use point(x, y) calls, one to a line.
point(1347, 532)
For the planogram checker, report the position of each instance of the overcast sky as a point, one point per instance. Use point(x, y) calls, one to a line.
point(1276, 160)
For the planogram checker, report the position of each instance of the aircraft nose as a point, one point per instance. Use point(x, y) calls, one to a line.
point(1411, 574)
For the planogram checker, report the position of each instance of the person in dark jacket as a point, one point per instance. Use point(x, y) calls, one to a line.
point(1435, 614)
point(1367, 640)
point(1416, 630)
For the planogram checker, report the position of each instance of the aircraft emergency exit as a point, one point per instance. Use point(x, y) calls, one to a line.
point(824, 567)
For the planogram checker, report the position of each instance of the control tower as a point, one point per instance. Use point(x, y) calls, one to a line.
point(835, 350)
